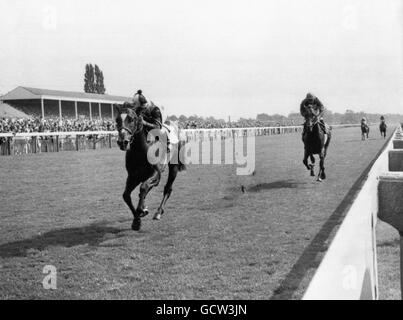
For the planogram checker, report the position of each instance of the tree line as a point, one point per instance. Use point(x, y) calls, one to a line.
point(348, 117)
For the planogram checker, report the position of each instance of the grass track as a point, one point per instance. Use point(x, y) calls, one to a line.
point(214, 241)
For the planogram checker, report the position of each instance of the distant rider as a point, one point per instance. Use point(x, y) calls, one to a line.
point(364, 121)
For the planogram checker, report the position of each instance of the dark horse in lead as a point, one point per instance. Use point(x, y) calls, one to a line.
point(316, 141)
point(133, 132)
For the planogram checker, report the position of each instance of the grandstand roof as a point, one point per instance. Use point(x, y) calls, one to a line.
point(25, 93)
point(7, 111)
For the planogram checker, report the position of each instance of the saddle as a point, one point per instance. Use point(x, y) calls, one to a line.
point(324, 126)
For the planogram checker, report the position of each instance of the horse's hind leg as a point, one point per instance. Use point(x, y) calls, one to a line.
point(131, 184)
point(312, 158)
point(173, 171)
point(145, 188)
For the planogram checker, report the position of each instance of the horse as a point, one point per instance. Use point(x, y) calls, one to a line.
point(382, 128)
point(132, 139)
point(315, 142)
point(364, 131)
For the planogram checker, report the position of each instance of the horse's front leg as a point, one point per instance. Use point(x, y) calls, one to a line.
point(131, 184)
point(322, 174)
point(145, 188)
point(173, 172)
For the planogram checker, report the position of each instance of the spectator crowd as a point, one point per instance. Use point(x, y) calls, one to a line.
point(27, 125)
point(220, 124)
point(13, 125)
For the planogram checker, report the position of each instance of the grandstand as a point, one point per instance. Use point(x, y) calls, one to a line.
point(7, 111)
point(54, 103)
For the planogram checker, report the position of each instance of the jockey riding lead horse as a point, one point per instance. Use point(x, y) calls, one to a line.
point(151, 114)
point(316, 134)
point(134, 122)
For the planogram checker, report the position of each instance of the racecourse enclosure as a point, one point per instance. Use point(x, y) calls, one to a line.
point(214, 241)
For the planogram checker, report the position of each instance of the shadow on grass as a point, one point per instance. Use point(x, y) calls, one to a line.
point(393, 243)
point(288, 287)
point(92, 235)
point(281, 184)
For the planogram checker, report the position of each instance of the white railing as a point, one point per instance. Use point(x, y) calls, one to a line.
point(281, 129)
point(349, 269)
point(22, 143)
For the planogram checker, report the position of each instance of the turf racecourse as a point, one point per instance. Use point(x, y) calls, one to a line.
point(214, 241)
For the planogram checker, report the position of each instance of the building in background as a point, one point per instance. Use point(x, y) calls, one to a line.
point(55, 103)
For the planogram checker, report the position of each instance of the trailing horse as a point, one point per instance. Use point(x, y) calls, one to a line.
point(133, 132)
point(382, 129)
point(364, 131)
point(316, 141)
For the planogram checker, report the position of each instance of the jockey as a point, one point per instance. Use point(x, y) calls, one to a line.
point(364, 121)
point(139, 100)
point(152, 115)
point(317, 109)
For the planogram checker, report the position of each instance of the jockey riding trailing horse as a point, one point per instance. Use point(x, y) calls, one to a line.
point(382, 127)
point(364, 128)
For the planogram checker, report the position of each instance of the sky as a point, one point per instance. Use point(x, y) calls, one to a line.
point(215, 58)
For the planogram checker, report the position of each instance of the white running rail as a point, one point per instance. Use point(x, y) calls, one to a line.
point(349, 269)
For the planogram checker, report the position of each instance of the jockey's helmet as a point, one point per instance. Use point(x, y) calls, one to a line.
point(310, 95)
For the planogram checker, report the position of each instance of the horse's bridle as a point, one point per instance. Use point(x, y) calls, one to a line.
point(131, 132)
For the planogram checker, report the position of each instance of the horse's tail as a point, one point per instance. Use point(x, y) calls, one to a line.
point(182, 166)
point(329, 137)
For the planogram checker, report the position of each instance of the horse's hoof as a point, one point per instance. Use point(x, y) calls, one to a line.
point(323, 176)
point(319, 180)
point(144, 213)
point(158, 215)
point(312, 174)
point(136, 225)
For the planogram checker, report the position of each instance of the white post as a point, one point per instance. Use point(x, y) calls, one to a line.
point(112, 110)
point(42, 108)
point(99, 107)
point(60, 109)
point(76, 109)
point(90, 110)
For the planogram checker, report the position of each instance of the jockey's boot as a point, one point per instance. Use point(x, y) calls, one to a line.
point(325, 127)
point(303, 131)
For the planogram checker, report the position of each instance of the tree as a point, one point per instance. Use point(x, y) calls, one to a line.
point(172, 118)
point(87, 79)
point(93, 79)
point(99, 80)
point(263, 117)
point(182, 118)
